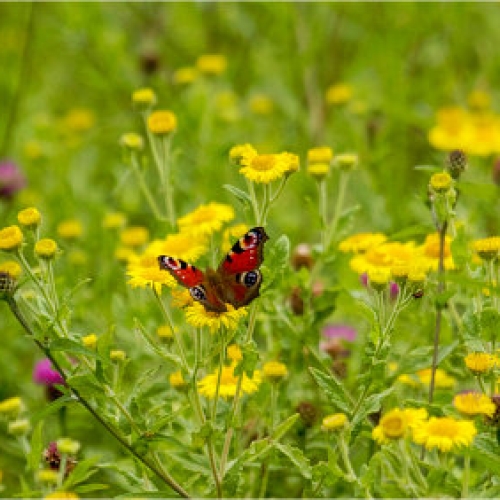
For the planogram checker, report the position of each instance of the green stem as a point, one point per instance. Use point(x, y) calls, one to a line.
point(343, 181)
point(323, 211)
point(144, 187)
point(254, 202)
point(163, 475)
point(344, 452)
point(466, 475)
point(265, 465)
point(168, 187)
point(222, 355)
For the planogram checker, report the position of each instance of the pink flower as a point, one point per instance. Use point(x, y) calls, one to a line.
point(393, 290)
point(340, 331)
point(12, 179)
point(44, 374)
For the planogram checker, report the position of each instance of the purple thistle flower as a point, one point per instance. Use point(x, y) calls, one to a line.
point(12, 179)
point(393, 290)
point(340, 332)
point(44, 374)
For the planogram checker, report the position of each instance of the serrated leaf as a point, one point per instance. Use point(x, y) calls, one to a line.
point(297, 457)
point(334, 390)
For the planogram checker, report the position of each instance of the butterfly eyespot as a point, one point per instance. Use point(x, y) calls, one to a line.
point(250, 279)
point(198, 293)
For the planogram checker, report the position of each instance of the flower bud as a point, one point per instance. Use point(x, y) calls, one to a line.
point(11, 238)
point(132, 141)
point(68, 446)
point(19, 427)
point(117, 355)
point(302, 257)
point(29, 217)
point(143, 99)
point(46, 248)
point(275, 371)
point(90, 341)
point(162, 122)
point(334, 422)
point(456, 163)
point(346, 161)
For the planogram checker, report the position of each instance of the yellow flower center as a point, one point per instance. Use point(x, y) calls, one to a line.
point(394, 425)
point(263, 162)
point(444, 427)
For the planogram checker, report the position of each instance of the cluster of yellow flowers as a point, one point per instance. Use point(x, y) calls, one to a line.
point(443, 433)
point(422, 379)
point(475, 130)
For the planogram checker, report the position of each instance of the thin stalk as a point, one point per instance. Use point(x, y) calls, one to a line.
point(344, 452)
point(168, 187)
point(163, 475)
point(144, 187)
point(440, 289)
point(323, 211)
point(219, 374)
point(254, 202)
point(343, 181)
point(265, 465)
point(466, 476)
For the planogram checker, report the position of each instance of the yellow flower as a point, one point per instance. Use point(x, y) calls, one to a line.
point(480, 362)
point(68, 446)
point(379, 277)
point(339, 93)
point(411, 380)
point(228, 383)
point(441, 378)
point(323, 154)
point(11, 405)
point(162, 122)
point(487, 248)
point(45, 248)
point(264, 168)
point(261, 104)
point(274, 370)
point(346, 161)
point(474, 403)
point(445, 433)
point(206, 219)
point(123, 254)
point(417, 277)
point(384, 256)
point(427, 254)
point(239, 152)
point(12, 268)
point(90, 341)
point(234, 353)
point(334, 422)
point(70, 229)
point(415, 416)
point(231, 234)
point(400, 272)
point(452, 130)
point(484, 137)
point(117, 355)
point(197, 316)
point(29, 217)
point(392, 425)
point(144, 272)
point(183, 246)
point(62, 495)
point(79, 120)
point(318, 170)
point(165, 332)
point(19, 427)
point(114, 220)
point(292, 160)
point(48, 476)
point(211, 64)
point(176, 380)
point(144, 98)
point(185, 75)
point(361, 242)
point(134, 237)
point(441, 182)
point(132, 141)
point(181, 298)
point(11, 238)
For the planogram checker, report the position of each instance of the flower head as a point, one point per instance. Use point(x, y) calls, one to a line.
point(134, 237)
point(114, 220)
point(11, 406)
point(70, 229)
point(211, 64)
point(165, 332)
point(488, 248)
point(90, 341)
point(234, 353)
point(334, 422)
point(185, 75)
point(318, 170)
point(132, 141)
point(144, 272)
point(206, 219)
point(346, 161)
point(197, 316)
point(29, 217)
point(11, 238)
point(441, 182)
point(62, 495)
point(441, 379)
point(265, 168)
point(185, 246)
point(68, 446)
point(361, 242)
point(12, 268)
point(480, 362)
point(474, 403)
point(46, 248)
point(339, 93)
point(228, 383)
point(392, 425)
point(242, 151)
point(144, 98)
point(44, 374)
point(12, 179)
point(117, 355)
point(445, 433)
point(323, 154)
point(162, 122)
point(275, 371)
point(176, 380)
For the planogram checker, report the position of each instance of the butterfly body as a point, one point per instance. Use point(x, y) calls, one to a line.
point(236, 281)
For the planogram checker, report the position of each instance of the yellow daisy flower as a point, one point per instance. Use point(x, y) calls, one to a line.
point(176, 380)
point(12, 268)
point(206, 219)
point(487, 248)
point(264, 168)
point(415, 416)
point(180, 246)
point(114, 220)
point(197, 316)
point(427, 254)
point(384, 255)
point(441, 379)
point(46, 248)
point(441, 182)
point(211, 64)
point(144, 272)
point(134, 236)
point(181, 298)
point(162, 122)
point(474, 403)
point(392, 425)
point(234, 353)
point(445, 433)
point(275, 371)
point(11, 238)
point(228, 383)
point(452, 130)
point(240, 151)
point(322, 154)
point(480, 362)
point(361, 242)
point(29, 217)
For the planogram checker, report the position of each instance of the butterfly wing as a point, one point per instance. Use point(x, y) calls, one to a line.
point(239, 271)
point(189, 276)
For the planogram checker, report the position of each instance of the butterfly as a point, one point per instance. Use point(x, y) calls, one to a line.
point(236, 281)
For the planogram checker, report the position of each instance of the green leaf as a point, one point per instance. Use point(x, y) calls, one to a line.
point(71, 347)
point(421, 357)
point(486, 450)
point(297, 457)
point(370, 405)
point(87, 488)
point(250, 359)
point(281, 429)
point(441, 299)
point(460, 248)
point(87, 385)
point(35, 452)
point(240, 195)
point(490, 322)
point(51, 408)
point(82, 471)
point(334, 390)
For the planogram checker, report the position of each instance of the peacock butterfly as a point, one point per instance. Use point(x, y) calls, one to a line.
point(236, 281)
